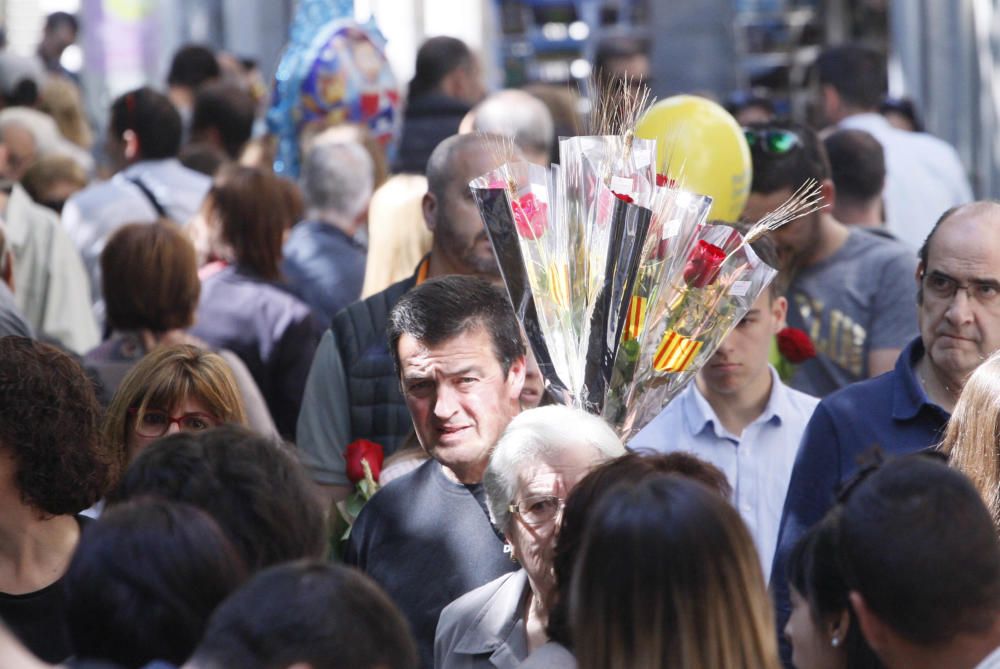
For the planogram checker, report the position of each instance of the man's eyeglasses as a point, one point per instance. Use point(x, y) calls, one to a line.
point(538, 510)
point(155, 423)
point(772, 140)
point(940, 286)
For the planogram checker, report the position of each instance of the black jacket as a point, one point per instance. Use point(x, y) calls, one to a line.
point(428, 120)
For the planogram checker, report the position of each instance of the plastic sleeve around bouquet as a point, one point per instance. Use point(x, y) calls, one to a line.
point(712, 291)
point(677, 217)
point(509, 221)
point(629, 226)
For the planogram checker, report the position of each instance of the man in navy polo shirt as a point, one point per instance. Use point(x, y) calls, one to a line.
point(904, 410)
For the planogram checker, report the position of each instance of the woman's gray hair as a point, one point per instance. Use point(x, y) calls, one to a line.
point(540, 435)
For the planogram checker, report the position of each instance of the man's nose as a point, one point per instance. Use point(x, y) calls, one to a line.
point(960, 307)
point(445, 401)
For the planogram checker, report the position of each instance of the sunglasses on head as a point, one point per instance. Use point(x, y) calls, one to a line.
point(772, 140)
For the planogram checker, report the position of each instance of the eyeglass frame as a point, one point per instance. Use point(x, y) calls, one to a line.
point(958, 285)
point(134, 411)
point(760, 134)
point(514, 508)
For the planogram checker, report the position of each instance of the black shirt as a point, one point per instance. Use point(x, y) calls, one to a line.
point(38, 619)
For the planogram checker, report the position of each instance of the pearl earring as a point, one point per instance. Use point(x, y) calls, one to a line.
point(835, 642)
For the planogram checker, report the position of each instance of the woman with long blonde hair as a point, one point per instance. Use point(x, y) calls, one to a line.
point(972, 438)
point(397, 234)
point(668, 578)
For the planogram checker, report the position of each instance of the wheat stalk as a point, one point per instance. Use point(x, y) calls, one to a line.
point(807, 199)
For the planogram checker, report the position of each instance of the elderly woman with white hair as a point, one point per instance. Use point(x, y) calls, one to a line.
point(537, 461)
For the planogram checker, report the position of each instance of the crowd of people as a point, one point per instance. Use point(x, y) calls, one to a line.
point(194, 350)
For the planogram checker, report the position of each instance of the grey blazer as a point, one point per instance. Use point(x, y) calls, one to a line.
point(484, 628)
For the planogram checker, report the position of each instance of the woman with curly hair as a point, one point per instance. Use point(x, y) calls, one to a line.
point(53, 465)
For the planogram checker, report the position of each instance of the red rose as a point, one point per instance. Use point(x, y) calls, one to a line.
point(703, 264)
point(795, 345)
point(530, 216)
point(623, 197)
point(663, 180)
point(362, 449)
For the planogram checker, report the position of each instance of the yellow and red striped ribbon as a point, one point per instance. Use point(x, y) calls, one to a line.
point(635, 317)
point(675, 352)
point(558, 277)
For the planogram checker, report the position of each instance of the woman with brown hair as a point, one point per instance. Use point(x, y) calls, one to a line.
point(243, 306)
point(972, 437)
point(151, 291)
point(173, 388)
point(668, 577)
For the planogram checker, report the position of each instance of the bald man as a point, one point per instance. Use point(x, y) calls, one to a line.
point(519, 116)
point(906, 409)
point(353, 391)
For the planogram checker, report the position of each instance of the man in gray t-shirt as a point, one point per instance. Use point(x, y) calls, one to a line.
point(851, 291)
point(858, 300)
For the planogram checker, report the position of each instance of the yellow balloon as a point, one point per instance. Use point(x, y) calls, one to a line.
point(700, 144)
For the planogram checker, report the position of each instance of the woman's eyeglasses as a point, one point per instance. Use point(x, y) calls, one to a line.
point(538, 510)
point(155, 423)
point(772, 140)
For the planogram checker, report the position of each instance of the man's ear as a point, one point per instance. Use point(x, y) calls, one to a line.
point(515, 377)
point(831, 103)
point(829, 193)
point(429, 205)
point(876, 632)
point(132, 147)
point(779, 309)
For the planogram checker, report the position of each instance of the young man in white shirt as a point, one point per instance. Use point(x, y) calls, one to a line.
point(739, 416)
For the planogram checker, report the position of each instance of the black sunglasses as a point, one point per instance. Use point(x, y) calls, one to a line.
point(772, 140)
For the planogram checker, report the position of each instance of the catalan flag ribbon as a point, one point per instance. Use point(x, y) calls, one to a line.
point(675, 352)
point(558, 276)
point(635, 318)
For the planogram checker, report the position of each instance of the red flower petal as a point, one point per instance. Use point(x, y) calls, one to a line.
point(795, 345)
point(703, 264)
point(363, 449)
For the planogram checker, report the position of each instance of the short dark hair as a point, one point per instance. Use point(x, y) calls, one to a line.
point(904, 107)
point(814, 571)
point(917, 542)
point(153, 119)
point(228, 109)
point(150, 278)
point(252, 208)
point(856, 72)
point(446, 307)
point(635, 467)
point(857, 164)
point(192, 66)
point(776, 171)
point(618, 47)
point(55, 20)
point(145, 579)
point(50, 425)
point(325, 615)
point(254, 488)
point(436, 59)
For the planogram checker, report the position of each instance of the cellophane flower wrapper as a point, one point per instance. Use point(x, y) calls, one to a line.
point(706, 296)
point(629, 226)
point(593, 170)
point(677, 217)
point(517, 202)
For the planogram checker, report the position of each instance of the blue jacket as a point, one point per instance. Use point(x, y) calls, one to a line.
point(890, 411)
point(324, 267)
